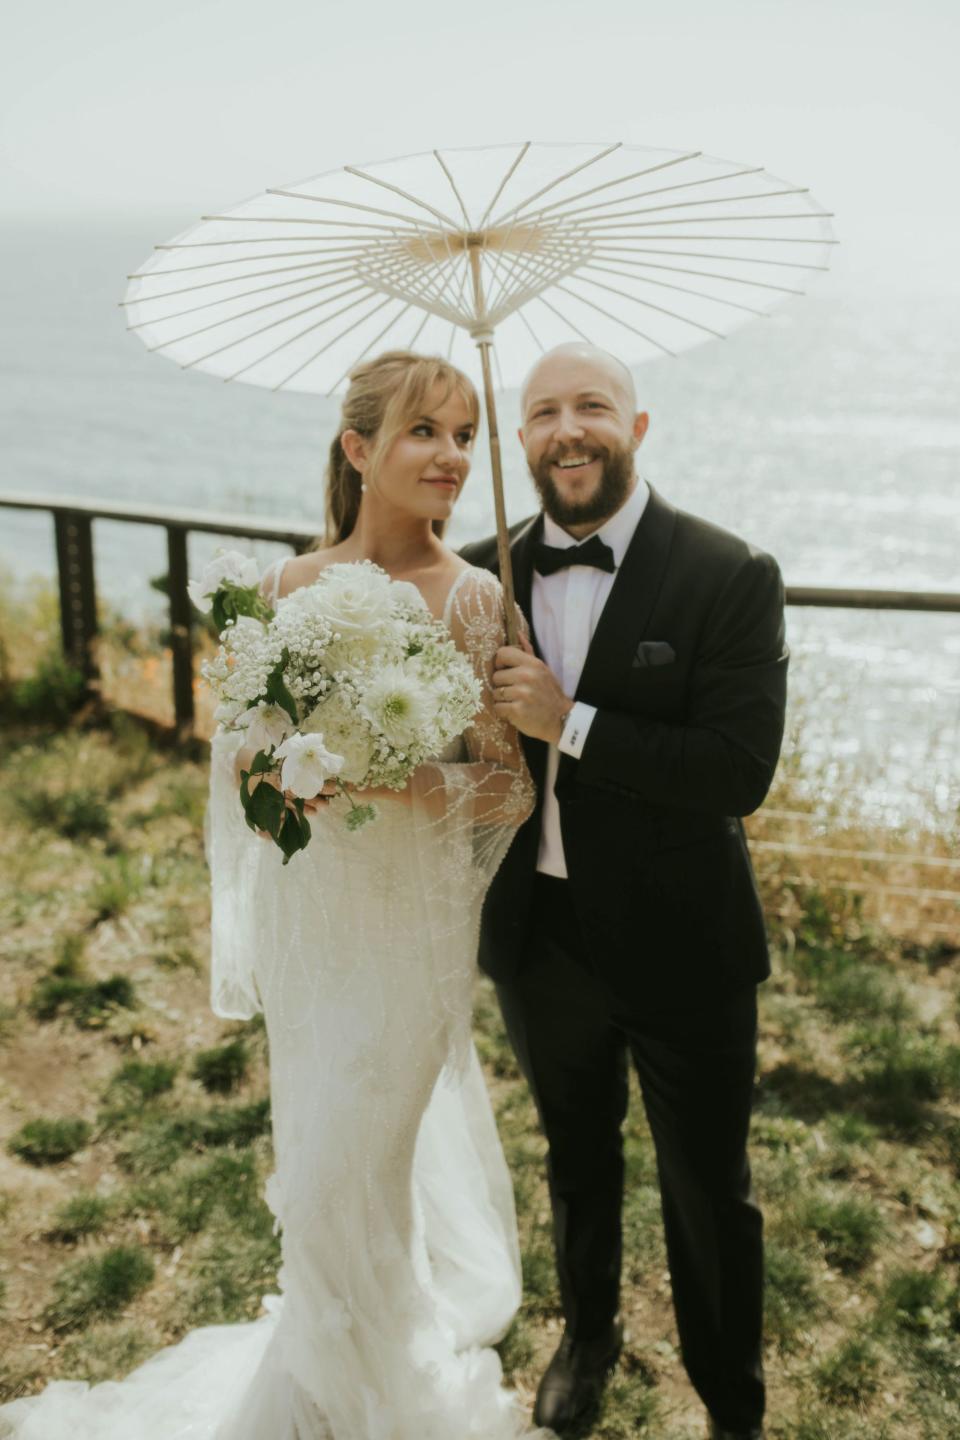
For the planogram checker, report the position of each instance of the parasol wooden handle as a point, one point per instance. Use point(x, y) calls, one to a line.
point(500, 510)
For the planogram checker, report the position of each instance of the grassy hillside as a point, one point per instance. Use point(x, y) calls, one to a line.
point(135, 1137)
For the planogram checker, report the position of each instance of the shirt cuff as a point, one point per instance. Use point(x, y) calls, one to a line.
point(576, 728)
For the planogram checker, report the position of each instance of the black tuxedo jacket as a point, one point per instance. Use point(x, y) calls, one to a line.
point(687, 669)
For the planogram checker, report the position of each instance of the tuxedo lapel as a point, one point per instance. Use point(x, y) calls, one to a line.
point(626, 615)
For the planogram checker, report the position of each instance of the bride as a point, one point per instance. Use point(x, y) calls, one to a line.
point(400, 1265)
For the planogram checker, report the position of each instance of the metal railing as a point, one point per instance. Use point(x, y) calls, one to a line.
point(73, 526)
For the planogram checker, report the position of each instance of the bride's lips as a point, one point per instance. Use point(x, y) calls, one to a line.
point(441, 482)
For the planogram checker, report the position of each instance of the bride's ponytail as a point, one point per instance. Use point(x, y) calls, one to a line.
point(385, 395)
point(343, 494)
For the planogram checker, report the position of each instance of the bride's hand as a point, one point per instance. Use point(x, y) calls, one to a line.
point(310, 807)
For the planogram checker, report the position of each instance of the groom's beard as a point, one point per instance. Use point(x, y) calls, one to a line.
point(616, 479)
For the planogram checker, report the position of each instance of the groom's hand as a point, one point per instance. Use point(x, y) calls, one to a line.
point(529, 694)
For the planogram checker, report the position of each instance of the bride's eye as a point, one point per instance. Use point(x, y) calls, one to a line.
point(422, 429)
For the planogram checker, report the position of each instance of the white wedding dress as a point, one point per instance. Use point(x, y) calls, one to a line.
point(400, 1264)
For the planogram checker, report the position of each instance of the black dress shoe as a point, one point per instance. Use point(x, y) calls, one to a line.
point(573, 1381)
point(717, 1432)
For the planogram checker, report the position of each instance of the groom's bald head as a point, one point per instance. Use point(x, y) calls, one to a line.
point(580, 360)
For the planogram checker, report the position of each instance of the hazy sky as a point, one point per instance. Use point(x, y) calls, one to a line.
point(118, 107)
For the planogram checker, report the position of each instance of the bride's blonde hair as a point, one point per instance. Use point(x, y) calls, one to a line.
point(385, 395)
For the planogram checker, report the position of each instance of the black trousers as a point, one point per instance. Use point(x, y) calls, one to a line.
point(572, 1040)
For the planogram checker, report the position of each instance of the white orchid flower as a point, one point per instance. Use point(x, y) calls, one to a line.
point(227, 566)
point(307, 765)
point(266, 725)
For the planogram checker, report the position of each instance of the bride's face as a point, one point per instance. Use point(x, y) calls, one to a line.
point(425, 467)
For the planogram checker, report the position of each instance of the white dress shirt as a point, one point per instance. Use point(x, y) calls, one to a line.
point(566, 608)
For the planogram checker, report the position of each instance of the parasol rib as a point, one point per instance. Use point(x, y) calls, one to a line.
point(660, 190)
point(229, 299)
point(560, 316)
point(533, 334)
point(503, 184)
point(710, 200)
point(272, 325)
point(329, 345)
point(256, 310)
point(366, 349)
point(607, 184)
point(713, 220)
point(350, 205)
point(414, 200)
point(706, 274)
point(453, 186)
point(607, 249)
point(682, 289)
point(304, 220)
point(567, 175)
point(648, 304)
point(224, 280)
point(751, 239)
point(307, 330)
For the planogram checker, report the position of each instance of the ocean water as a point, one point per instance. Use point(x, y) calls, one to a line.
point(829, 434)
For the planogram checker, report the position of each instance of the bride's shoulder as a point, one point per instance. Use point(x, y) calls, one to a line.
point(292, 572)
point(475, 587)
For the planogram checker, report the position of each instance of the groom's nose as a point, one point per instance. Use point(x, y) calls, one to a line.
point(569, 425)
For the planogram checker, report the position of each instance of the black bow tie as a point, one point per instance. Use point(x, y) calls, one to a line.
point(548, 559)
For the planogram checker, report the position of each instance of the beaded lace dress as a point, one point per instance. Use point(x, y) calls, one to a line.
point(400, 1266)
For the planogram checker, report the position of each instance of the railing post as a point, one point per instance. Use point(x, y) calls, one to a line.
point(78, 596)
point(180, 631)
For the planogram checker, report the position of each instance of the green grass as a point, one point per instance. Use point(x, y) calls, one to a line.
point(791, 1299)
point(222, 1069)
point(849, 1374)
point(144, 1080)
point(855, 1141)
point(848, 1228)
point(100, 1286)
point(48, 1142)
point(119, 884)
point(84, 1214)
point(89, 1003)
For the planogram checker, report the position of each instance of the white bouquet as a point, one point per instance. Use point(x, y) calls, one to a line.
point(350, 680)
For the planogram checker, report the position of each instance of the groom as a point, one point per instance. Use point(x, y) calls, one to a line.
point(625, 923)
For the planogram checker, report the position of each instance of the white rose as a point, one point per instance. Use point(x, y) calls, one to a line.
point(227, 566)
point(343, 728)
point(397, 705)
point(410, 600)
point(266, 725)
point(307, 765)
point(354, 598)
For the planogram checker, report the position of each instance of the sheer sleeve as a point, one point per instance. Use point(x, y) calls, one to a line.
point(465, 813)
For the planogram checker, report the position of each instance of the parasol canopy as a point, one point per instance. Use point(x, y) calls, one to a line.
point(501, 253)
point(641, 251)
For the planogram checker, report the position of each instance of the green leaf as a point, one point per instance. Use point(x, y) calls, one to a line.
point(266, 808)
point(278, 692)
point(294, 831)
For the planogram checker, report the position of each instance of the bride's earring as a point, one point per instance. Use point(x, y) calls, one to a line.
point(363, 488)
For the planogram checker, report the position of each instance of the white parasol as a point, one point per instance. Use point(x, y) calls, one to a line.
point(499, 253)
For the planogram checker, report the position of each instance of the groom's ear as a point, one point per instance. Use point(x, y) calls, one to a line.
point(640, 424)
